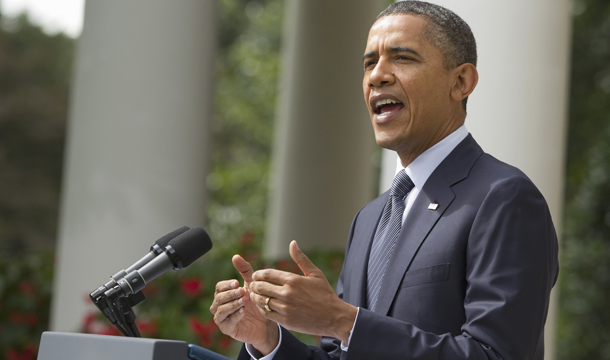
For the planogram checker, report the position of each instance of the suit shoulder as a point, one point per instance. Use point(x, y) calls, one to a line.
point(488, 167)
point(492, 175)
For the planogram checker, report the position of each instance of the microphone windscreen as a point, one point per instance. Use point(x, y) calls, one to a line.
point(165, 239)
point(191, 245)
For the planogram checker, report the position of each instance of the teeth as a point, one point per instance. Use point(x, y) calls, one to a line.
point(380, 103)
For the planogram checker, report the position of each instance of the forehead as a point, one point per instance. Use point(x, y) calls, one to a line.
point(393, 30)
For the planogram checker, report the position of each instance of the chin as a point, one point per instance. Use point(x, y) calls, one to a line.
point(385, 143)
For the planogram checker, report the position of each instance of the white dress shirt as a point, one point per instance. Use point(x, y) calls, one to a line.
point(419, 170)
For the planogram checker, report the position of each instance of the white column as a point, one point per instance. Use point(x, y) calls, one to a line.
point(324, 142)
point(518, 112)
point(136, 157)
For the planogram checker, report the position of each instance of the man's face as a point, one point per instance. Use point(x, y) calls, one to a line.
point(406, 87)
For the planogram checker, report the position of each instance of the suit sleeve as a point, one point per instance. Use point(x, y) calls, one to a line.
point(292, 348)
point(511, 268)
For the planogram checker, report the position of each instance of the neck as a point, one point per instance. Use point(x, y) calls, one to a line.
point(409, 153)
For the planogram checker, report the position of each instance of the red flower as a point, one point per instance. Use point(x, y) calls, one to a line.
point(87, 299)
point(225, 342)
point(151, 289)
point(17, 317)
point(147, 327)
point(336, 264)
point(247, 238)
point(32, 319)
point(191, 287)
point(251, 256)
point(196, 325)
point(283, 264)
point(201, 327)
point(296, 269)
point(12, 354)
point(204, 330)
point(29, 353)
point(88, 319)
point(110, 330)
point(26, 287)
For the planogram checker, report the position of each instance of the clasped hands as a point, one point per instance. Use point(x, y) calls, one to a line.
point(307, 304)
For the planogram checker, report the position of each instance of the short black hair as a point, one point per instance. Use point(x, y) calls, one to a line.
point(445, 30)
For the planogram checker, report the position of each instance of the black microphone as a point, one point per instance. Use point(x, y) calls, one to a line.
point(179, 253)
point(157, 248)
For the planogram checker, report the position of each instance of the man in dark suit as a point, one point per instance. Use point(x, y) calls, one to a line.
point(456, 261)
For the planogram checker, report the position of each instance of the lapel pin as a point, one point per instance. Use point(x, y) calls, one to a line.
point(432, 206)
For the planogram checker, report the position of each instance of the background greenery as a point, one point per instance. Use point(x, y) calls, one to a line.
point(584, 314)
point(35, 71)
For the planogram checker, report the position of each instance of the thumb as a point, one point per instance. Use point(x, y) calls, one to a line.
point(306, 266)
point(244, 268)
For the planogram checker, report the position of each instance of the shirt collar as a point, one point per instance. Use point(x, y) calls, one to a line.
point(420, 169)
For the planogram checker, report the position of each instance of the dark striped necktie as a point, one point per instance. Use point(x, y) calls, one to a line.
point(387, 233)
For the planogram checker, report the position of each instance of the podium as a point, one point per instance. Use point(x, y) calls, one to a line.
point(71, 346)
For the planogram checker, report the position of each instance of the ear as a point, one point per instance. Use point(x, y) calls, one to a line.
point(465, 80)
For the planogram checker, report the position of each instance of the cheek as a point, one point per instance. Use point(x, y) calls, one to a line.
point(366, 90)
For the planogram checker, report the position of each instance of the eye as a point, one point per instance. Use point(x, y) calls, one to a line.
point(368, 64)
point(403, 57)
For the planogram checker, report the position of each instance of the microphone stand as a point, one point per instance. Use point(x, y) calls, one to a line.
point(126, 304)
point(119, 310)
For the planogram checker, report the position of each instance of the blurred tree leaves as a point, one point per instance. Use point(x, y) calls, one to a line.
point(242, 130)
point(584, 317)
point(35, 71)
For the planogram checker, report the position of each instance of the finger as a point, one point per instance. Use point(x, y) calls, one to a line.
point(225, 297)
point(244, 268)
point(273, 276)
point(231, 321)
point(274, 304)
point(264, 288)
point(226, 285)
point(306, 266)
point(226, 309)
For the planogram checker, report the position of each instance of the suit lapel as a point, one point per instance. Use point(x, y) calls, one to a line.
point(360, 247)
point(421, 220)
point(413, 233)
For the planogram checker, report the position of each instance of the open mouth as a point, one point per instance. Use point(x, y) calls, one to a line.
point(387, 106)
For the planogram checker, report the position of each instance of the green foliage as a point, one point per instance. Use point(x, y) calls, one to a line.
point(248, 66)
point(25, 291)
point(35, 71)
point(584, 317)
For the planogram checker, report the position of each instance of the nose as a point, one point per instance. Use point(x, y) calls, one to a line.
point(381, 75)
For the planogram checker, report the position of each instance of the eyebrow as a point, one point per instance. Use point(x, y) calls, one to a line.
point(392, 49)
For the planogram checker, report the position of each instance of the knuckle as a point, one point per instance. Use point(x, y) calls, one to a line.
point(288, 292)
point(266, 275)
point(281, 308)
point(290, 280)
point(284, 292)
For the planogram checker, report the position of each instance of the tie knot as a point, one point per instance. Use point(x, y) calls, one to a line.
point(402, 184)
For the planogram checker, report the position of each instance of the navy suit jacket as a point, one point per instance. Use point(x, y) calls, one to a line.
point(469, 280)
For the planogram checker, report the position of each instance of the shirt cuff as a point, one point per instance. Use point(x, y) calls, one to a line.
point(345, 346)
point(256, 355)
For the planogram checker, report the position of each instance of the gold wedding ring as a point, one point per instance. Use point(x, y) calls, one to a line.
point(267, 304)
